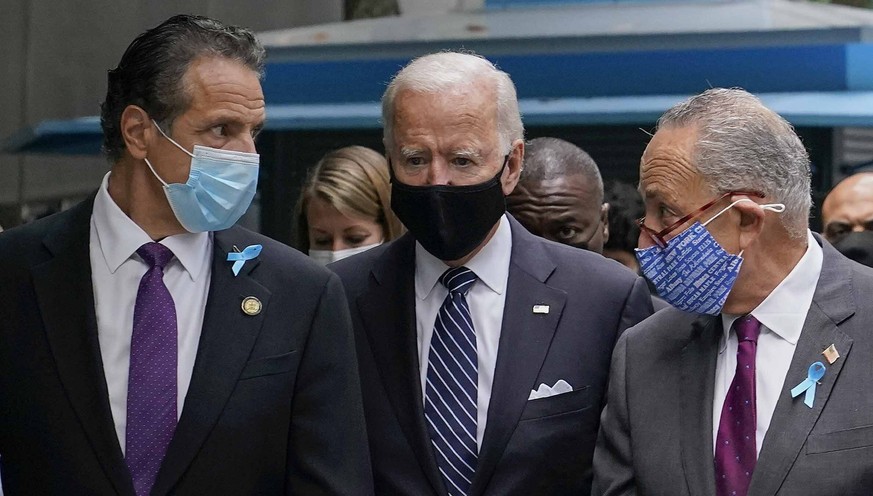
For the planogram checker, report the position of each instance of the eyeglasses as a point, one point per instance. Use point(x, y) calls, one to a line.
point(659, 237)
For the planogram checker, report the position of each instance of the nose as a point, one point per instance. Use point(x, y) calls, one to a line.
point(438, 173)
point(644, 240)
point(338, 244)
point(248, 144)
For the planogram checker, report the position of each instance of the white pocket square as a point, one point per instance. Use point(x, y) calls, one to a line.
point(544, 391)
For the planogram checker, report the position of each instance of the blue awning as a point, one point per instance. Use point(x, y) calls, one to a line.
point(575, 65)
point(815, 109)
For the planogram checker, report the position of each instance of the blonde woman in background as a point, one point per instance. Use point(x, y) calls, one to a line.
point(345, 205)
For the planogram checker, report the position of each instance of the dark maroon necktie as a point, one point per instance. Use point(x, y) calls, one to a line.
point(151, 385)
point(735, 452)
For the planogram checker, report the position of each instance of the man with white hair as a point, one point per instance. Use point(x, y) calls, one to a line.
point(757, 382)
point(483, 349)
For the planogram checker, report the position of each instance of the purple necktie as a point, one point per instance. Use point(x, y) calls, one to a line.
point(735, 453)
point(151, 386)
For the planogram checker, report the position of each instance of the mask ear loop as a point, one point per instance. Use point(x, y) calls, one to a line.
point(171, 141)
point(773, 207)
point(153, 171)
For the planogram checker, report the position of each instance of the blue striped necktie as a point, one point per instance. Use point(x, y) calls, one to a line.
point(452, 385)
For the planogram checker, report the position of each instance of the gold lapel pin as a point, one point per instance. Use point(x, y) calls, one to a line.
point(831, 354)
point(251, 306)
point(542, 309)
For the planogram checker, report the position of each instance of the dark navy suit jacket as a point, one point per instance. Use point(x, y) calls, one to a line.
point(274, 404)
point(543, 446)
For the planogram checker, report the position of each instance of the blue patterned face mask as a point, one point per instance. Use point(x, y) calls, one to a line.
point(693, 272)
point(219, 190)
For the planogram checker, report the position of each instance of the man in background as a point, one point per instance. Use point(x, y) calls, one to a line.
point(625, 207)
point(847, 216)
point(560, 195)
point(148, 345)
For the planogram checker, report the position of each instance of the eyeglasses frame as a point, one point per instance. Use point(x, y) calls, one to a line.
point(658, 236)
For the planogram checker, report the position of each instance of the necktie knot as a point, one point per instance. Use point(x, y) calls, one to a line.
point(458, 279)
point(155, 254)
point(747, 329)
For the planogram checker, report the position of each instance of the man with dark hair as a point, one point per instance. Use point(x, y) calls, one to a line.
point(625, 207)
point(560, 195)
point(148, 345)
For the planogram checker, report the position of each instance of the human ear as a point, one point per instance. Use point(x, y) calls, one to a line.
point(513, 166)
point(604, 219)
point(136, 130)
point(751, 222)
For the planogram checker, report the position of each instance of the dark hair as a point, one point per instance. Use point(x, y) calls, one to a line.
point(151, 71)
point(625, 207)
point(551, 158)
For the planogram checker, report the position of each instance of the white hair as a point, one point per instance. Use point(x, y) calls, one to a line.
point(744, 146)
point(446, 71)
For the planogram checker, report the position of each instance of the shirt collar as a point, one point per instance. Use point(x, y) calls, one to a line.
point(491, 264)
point(785, 308)
point(119, 237)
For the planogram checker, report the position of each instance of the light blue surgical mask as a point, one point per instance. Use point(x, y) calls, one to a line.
point(693, 272)
point(219, 190)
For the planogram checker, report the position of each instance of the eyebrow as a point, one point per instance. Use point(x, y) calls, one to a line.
point(407, 151)
point(467, 153)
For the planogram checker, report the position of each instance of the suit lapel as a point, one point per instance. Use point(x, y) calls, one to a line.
point(226, 341)
point(387, 310)
point(524, 343)
point(792, 419)
point(695, 405)
point(66, 300)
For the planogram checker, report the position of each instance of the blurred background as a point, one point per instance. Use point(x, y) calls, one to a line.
point(596, 73)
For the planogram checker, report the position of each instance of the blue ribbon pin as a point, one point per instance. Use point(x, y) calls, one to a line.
point(239, 259)
point(816, 372)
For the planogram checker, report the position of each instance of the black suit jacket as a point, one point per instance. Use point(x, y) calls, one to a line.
point(656, 435)
point(534, 447)
point(274, 402)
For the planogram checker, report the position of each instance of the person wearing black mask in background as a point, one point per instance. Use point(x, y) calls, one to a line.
point(469, 320)
point(560, 195)
point(847, 216)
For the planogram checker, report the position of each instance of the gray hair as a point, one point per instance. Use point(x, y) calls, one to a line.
point(551, 158)
point(743, 145)
point(446, 71)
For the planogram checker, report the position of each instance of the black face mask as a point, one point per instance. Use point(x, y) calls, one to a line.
point(858, 246)
point(449, 221)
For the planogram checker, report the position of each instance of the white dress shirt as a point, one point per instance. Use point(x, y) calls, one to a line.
point(781, 315)
point(116, 271)
point(485, 299)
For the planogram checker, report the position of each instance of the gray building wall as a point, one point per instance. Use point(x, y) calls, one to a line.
point(54, 55)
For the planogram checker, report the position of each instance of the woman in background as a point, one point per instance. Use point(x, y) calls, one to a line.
point(345, 205)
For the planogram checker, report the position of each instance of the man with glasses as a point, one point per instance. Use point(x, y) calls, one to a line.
point(847, 215)
point(755, 384)
point(560, 195)
point(483, 349)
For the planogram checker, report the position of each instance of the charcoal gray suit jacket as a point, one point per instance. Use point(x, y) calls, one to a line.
point(656, 431)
